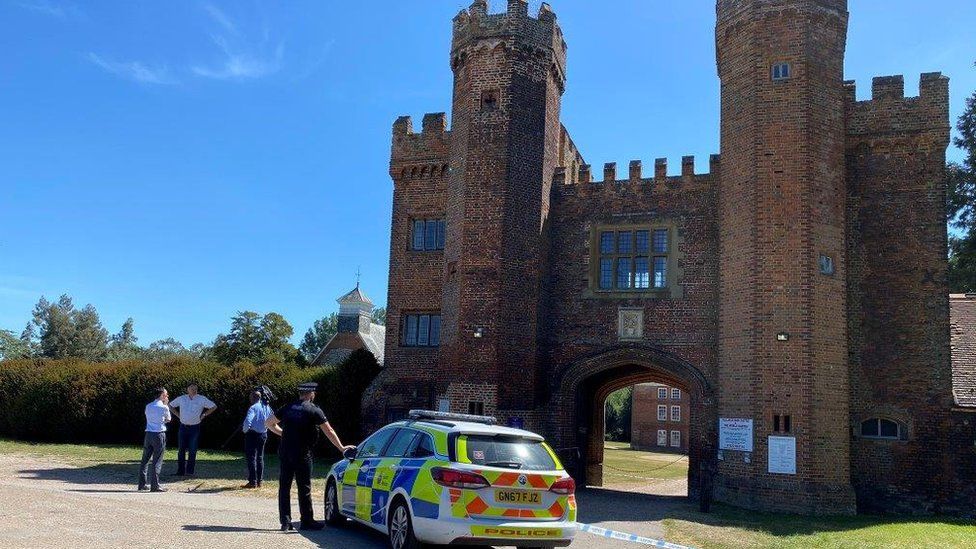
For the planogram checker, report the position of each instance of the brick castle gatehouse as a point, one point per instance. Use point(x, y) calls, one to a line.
point(794, 288)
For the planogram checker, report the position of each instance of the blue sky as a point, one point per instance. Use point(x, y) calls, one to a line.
point(179, 161)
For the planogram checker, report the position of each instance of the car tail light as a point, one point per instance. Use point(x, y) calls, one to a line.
point(564, 486)
point(453, 478)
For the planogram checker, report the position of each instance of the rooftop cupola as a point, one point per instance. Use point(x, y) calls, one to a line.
point(355, 303)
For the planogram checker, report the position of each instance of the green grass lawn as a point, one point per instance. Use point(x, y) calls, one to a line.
point(623, 466)
point(729, 527)
point(216, 471)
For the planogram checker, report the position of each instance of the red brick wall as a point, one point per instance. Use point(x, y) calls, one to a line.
point(781, 207)
point(899, 353)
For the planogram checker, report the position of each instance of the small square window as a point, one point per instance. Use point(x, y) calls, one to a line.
point(476, 408)
point(676, 394)
point(489, 100)
point(662, 393)
point(781, 71)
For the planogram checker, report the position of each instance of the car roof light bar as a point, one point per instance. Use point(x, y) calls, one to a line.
point(445, 416)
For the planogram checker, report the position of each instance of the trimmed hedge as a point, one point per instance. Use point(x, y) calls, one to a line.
point(77, 401)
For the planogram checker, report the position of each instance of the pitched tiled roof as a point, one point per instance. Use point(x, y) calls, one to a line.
point(355, 296)
point(962, 315)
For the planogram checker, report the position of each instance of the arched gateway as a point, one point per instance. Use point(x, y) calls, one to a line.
point(796, 290)
point(576, 409)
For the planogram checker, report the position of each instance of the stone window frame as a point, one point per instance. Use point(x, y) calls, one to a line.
point(662, 408)
point(440, 233)
point(660, 391)
point(404, 321)
point(672, 273)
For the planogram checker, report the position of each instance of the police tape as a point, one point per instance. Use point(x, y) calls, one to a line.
point(623, 536)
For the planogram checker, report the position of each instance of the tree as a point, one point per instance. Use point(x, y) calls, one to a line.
point(90, 338)
point(319, 335)
point(28, 338)
point(379, 315)
point(12, 347)
point(123, 344)
point(65, 332)
point(55, 327)
point(962, 205)
point(256, 339)
point(619, 409)
point(165, 348)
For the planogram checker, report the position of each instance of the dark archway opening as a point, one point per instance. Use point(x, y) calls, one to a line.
point(583, 392)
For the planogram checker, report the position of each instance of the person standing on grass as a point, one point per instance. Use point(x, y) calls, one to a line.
point(191, 409)
point(255, 437)
point(298, 425)
point(154, 443)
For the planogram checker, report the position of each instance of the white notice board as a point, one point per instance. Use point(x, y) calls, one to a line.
point(735, 434)
point(782, 455)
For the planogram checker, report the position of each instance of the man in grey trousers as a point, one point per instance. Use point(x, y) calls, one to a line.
point(157, 416)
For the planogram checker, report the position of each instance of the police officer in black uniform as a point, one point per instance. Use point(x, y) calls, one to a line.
point(298, 425)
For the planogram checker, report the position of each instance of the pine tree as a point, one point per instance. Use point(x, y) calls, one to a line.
point(962, 205)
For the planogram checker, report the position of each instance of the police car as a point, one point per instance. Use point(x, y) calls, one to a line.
point(454, 479)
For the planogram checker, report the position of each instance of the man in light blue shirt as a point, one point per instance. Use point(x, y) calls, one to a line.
point(154, 444)
point(255, 437)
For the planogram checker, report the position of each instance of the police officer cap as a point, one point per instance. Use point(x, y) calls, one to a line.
point(308, 387)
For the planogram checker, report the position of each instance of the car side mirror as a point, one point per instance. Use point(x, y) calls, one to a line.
point(350, 453)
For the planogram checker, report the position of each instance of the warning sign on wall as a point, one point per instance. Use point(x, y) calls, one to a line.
point(782, 455)
point(735, 434)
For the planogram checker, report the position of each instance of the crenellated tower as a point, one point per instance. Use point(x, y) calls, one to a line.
point(509, 75)
point(782, 315)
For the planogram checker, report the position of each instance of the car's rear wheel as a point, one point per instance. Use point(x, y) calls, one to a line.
point(401, 527)
point(332, 515)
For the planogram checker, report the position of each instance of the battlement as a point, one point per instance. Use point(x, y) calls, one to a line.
point(890, 112)
point(475, 24)
point(423, 154)
point(734, 6)
point(635, 173)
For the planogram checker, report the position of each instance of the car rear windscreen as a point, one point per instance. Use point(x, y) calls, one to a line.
point(508, 452)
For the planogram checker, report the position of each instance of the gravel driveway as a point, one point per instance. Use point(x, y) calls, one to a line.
point(44, 503)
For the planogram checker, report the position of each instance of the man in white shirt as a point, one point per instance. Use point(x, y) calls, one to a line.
point(154, 444)
point(191, 409)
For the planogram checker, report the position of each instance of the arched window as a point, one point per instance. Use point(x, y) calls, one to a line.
point(883, 428)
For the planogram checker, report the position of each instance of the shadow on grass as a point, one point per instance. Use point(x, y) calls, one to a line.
point(606, 505)
point(218, 469)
